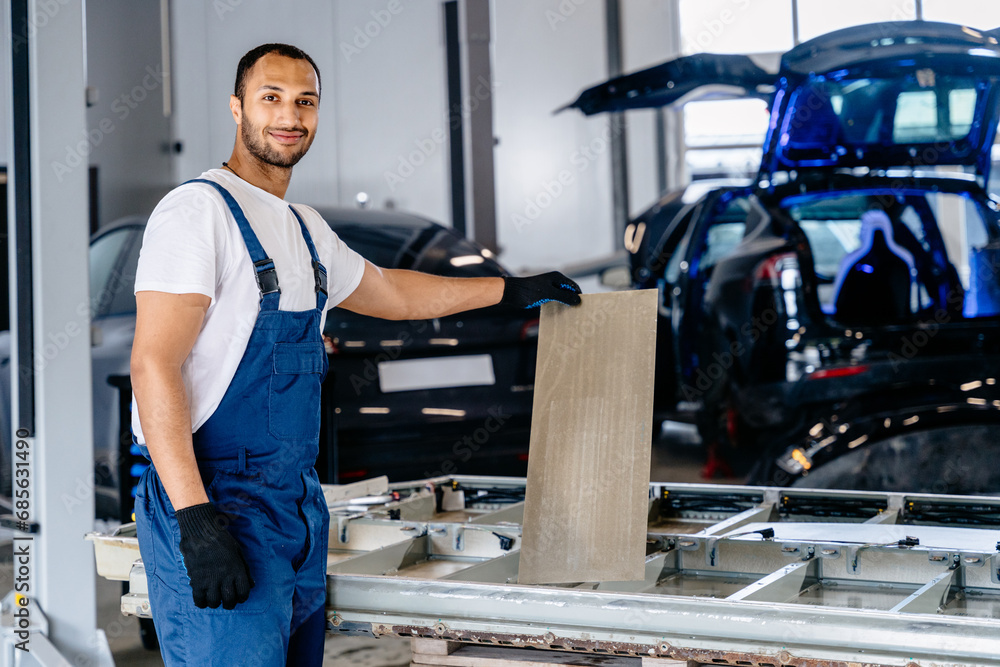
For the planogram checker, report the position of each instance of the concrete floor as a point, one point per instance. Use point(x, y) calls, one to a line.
point(677, 457)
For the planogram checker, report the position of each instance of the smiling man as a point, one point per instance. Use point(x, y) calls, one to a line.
point(232, 289)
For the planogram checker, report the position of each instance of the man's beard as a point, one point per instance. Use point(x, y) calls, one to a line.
point(258, 147)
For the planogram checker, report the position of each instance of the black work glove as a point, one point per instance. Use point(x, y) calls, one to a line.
point(214, 561)
point(533, 291)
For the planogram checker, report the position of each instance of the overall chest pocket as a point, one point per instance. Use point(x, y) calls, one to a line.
point(294, 396)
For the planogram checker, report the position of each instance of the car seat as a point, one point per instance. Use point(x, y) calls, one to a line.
point(874, 283)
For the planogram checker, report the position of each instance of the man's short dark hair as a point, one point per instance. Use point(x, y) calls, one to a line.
point(253, 55)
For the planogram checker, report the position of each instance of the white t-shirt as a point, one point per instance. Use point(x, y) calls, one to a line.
point(192, 244)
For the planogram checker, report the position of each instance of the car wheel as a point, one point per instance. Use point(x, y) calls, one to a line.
point(952, 460)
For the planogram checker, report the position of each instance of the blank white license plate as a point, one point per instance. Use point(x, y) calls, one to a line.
point(437, 373)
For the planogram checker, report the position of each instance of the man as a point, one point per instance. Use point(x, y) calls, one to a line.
point(231, 292)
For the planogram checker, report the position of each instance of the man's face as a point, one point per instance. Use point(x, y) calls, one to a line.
point(278, 114)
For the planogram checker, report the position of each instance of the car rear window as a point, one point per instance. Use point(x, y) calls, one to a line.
point(952, 247)
point(834, 117)
point(926, 116)
point(450, 255)
point(725, 232)
point(380, 246)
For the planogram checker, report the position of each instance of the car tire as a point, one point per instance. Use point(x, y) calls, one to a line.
point(952, 460)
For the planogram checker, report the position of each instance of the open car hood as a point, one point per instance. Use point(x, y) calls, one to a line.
point(899, 94)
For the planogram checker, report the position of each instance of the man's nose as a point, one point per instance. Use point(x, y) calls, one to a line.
point(289, 114)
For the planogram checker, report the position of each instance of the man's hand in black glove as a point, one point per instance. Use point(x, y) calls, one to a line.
point(214, 561)
point(533, 291)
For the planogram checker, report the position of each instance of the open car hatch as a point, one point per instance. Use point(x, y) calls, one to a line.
point(912, 94)
point(677, 81)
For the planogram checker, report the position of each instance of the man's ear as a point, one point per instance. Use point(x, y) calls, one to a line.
point(237, 108)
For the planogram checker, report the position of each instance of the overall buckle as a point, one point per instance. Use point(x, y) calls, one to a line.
point(267, 276)
point(319, 274)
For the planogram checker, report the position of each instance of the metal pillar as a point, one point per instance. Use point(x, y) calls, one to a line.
point(456, 142)
point(675, 162)
point(51, 412)
point(618, 143)
point(477, 110)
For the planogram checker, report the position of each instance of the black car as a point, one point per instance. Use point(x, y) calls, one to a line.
point(426, 397)
point(405, 399)
point(844, 308)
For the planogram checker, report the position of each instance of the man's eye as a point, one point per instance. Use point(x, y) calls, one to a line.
point(308, 102)
point(269, 97)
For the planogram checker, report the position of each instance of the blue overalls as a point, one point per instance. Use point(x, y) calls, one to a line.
point(256, 455)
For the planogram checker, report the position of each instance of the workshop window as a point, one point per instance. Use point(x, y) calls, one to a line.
point(817, 18)
point(736, 26)
point(724, 137)
point(982, 14)
point(767, 28)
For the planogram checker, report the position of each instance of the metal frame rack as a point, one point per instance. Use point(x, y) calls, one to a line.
point(734, 575)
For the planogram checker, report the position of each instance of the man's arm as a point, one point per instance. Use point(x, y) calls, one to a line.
point(165, 330)
point(397, 294)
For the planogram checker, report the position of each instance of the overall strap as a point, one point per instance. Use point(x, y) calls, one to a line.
point(267, 275)
point(319, 271)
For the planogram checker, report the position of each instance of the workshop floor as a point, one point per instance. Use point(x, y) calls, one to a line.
point(676, 458)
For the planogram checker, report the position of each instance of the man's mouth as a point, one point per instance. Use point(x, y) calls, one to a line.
point(284, 137)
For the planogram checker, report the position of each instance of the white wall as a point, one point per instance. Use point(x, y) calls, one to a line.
point(383, 113)
point(543, 57)
point(128, 134)
point(646, 41)
point(209, 38)
point(384, 110)
point(382, 65)
point(126, 130)
point(392, 104)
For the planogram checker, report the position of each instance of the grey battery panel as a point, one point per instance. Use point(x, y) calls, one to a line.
point(733, 575)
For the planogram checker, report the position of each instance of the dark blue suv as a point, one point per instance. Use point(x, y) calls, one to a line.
point(837, 321)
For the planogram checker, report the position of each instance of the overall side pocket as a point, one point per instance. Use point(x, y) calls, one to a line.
point(234, 496)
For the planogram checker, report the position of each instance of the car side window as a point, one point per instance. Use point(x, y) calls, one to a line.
point(105, 253)
point(722, 239)
point(669, 258)
point(122, 285)
point(724, 233)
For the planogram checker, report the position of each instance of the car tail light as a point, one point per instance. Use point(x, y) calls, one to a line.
point(353, 474)
point(776, 269)
point(529, 329)
point(522, 457)
point(843, 371)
